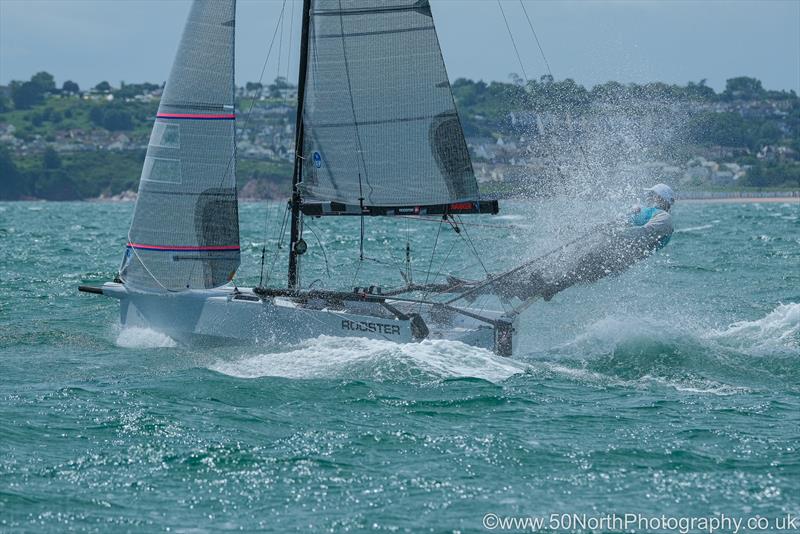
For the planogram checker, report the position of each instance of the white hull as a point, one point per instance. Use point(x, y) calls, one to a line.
point(226, 315)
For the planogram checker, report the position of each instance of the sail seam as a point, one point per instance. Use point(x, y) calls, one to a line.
point(197, 116)
point(419, 7)
point(384, 121)
point(380, 32)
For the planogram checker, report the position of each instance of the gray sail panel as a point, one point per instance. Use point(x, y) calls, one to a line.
point(379, 117)
point(185, 229)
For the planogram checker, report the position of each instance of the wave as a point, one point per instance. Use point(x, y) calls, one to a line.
point(685, 384)
point(375, 360)
point(143, 338)
point(778, 331)
point(681, 353)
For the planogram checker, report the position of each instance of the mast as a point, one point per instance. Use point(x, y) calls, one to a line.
point(297, 175)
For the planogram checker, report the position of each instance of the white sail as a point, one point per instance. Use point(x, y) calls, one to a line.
point(185, 229)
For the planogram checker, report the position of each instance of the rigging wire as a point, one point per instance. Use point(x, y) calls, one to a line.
point(550, 72)
point(279, 24)
point(436, 220)
point(289, 47)
point(361, 203)
point(468, 239)
point(541, 51)
point(478, 257)
point(433, 252)
point(321, 246)
point(513, 42)
point(281, 235)
point(527, 82)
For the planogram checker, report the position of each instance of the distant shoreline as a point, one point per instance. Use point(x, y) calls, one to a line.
point(740, 197)
point(739, 200)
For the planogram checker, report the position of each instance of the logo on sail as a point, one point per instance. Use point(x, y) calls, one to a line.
point(317, 157)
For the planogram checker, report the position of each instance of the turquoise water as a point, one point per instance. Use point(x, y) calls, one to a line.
point(673, 389)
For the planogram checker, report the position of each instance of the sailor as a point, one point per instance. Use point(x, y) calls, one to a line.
point(610, 250)
point(654, 218)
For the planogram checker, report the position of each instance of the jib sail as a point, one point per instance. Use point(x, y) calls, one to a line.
point(185, 229)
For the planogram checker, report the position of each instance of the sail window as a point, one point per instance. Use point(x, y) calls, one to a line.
point(165, 170)
point(166, 135)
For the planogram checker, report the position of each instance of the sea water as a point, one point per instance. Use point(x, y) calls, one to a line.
point(670, 391)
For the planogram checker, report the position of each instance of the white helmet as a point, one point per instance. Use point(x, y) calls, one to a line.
point(664, 192)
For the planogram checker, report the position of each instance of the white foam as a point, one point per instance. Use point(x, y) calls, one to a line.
point(687, 385)
point(694, 228)
point(605, 335)
point(143, 338)
point(779, 329)
point(336, 357)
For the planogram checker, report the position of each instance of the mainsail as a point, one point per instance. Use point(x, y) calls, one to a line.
point(380, 124)
point(185, 229)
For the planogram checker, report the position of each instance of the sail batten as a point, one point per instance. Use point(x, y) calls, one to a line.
point(380, 123)
point(185, 228)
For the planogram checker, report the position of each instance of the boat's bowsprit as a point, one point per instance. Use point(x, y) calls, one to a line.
point(91, 289)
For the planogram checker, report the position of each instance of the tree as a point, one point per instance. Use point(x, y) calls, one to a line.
point(117, 119)
point(773, 175)
point(51, 159)
point(743, 88)
point(253, 86)
point(70, 87)
point(700, 91)
point(44, 81)
point(103, 87)
point(130, 90)
point(11, 184)
point(97, 114)
point(25, 94)
point(723, 129)
point(281, 83)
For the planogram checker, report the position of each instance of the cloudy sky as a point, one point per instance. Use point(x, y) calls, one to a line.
point(591, 41)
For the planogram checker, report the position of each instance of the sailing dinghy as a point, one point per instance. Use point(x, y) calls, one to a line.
point(377, 135)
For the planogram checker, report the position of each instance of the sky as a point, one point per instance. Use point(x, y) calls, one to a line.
point(591, 41)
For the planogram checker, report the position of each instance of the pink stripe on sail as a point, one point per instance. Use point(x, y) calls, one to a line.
point(206, 116)
point(182, 248)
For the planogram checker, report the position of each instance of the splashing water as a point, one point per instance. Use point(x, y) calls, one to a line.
point(365, 359)
point(143, 338)
point(777, 332)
